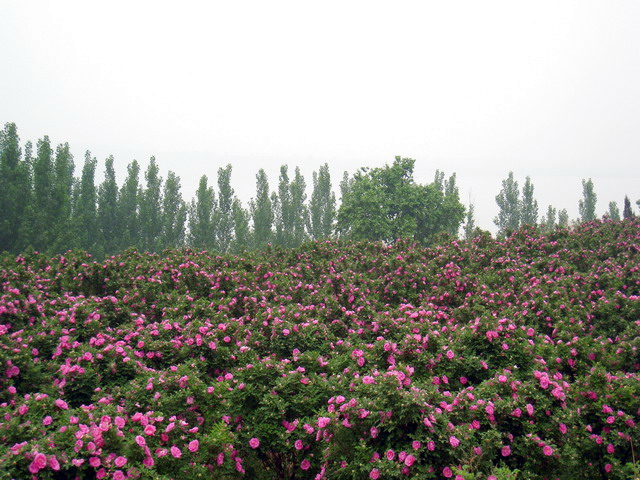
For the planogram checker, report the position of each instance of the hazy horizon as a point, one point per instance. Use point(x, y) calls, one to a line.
point(546, 90)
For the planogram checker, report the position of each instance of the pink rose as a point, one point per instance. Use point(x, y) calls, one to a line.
point(39, 462)
point(53, 463)
point(323, 422)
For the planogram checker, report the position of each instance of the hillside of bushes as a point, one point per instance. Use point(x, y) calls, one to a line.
point(476, 359)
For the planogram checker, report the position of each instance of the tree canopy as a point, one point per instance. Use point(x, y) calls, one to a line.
point(44, 207)
point(387, 204)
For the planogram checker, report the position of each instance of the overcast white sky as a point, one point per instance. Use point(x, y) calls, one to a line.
point(548, 89)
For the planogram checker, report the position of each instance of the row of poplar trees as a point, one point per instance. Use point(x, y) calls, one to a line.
point(516, 210)
point(45, 207)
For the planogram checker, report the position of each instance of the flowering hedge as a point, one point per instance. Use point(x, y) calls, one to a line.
point(478, 359)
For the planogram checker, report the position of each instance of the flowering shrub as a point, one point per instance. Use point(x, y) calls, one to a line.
point(477, 359)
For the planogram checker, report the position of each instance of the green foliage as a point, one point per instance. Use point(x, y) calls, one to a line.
point(385, 204)
point(174, 214)
point(614, 212)
point(563, 218)
point(43, 207)
point(61, 200)
point(224, 216)
point(283, 214)
point(110, 223)
point(452, 211)
point(529, 205)
point(85, 212)
point(242, 233)
point(129, 207)
point(322, 205)
point(290, 212)
point(202, 217)
point(42, 215)
point(548, 222)
point(627, 213)
point(587, 205)
point(150, 210)
point(262, 212)
point(15, 193)
point(342, 360)
point(508, 200)
point(299, 210)
point(469, 224)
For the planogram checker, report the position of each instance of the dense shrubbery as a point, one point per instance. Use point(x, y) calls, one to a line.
point(467, 360)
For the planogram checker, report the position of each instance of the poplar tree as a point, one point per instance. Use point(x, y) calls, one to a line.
point(278, 233)
point(61, 200)
point(614, 212)
point(42, 227)
point(289, 209)
point(242, 237)
point(469, 224)
point(299, 211)
point(345, 184)
point(627, 212)
point(563, 218)
point(343, 228)
point(529, 205)
point(587, 205)
point(202, 227)
point(85, 214)
point(282, 210)
point(322, 205)
point(128, 207)
point(549, 220)
point(223, 216)
point(438, 180)
point(109, 221)
point(262, 211)
point(150, 208)
point(16, 190)
point(508, 201)
point(174, 214)
point(452, 210)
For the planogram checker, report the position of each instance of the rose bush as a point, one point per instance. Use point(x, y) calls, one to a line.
point(467, 360)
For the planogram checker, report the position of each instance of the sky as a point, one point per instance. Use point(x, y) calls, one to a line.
point(546, 89)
